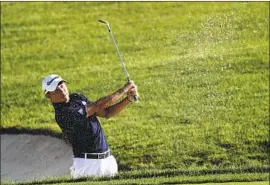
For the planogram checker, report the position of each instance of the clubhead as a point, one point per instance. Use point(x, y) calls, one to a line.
point(105, 22)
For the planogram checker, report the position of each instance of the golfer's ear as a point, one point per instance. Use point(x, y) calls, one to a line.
point(47, 95)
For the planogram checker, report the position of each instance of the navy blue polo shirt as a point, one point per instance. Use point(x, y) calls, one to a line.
point(84, 133)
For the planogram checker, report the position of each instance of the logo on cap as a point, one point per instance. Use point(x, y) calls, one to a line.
point(49, 82)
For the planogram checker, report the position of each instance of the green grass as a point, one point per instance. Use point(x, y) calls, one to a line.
point(237, 183)
point(201, 69)
point(164, 177)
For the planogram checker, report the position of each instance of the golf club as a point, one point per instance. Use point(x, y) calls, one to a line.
point(119, 55)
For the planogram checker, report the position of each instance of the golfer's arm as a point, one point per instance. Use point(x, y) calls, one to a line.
point(114, 109)
point(104, 102)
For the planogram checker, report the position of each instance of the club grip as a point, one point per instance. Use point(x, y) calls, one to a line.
point(136, 99)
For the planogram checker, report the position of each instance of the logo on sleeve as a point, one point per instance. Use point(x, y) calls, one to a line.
point(81, 111)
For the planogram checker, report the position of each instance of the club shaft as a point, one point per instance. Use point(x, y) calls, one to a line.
point(117, 49)
point(119, 55)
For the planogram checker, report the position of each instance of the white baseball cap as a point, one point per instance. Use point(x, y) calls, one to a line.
point(50, 83)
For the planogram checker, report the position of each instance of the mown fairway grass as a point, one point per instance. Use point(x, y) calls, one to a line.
point(159, 177)
point(201, 69)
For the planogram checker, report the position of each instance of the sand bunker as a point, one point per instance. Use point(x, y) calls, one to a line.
point(33, 157)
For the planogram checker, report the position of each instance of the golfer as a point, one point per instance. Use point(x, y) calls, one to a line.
point(77, 118)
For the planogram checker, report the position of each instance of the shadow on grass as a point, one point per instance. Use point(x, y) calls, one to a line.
point(16, 130)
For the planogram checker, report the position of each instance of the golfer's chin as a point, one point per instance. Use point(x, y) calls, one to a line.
point(66, 99)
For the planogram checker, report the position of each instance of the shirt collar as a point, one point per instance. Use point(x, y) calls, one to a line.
point(59, 105)
point(72, 97)
point(62, 104)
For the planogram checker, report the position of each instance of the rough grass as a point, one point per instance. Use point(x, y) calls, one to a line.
point(202, 69)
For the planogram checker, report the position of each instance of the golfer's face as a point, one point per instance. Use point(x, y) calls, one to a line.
point(60, 94)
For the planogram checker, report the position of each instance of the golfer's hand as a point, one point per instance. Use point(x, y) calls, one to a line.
point(128, 86)
point(132, 93)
